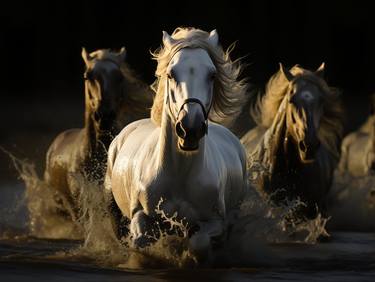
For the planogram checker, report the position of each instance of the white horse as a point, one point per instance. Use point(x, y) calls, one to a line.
point(196, 166)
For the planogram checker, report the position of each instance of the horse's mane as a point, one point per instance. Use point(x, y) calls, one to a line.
point(138, 95)
point(331, 126)
point(229, 90)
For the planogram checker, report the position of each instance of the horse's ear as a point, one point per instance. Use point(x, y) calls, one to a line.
point(85, 56)
point(122, 54)
point(288, 75)
point(213, 38)
point(320, 71)
point(168, 41)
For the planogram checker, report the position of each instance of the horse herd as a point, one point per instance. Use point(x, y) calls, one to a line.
point(171, 145)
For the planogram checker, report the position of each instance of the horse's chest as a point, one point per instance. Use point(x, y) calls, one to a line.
point(193, 197)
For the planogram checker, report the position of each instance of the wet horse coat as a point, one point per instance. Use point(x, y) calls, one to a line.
point(358, 149)
point(197, 167)
point(113, 98)
point(297, 139)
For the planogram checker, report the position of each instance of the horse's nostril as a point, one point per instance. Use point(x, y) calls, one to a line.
point(302, 146)
point(180, 131)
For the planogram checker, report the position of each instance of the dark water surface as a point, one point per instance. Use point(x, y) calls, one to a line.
point(346, 256)
point(349, 257)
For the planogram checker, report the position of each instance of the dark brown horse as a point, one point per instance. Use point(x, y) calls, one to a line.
point(114, 97)
point(297, 139)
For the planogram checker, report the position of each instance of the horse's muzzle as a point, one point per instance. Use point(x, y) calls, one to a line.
point(190, 128)
point(105, 119)
point(307, 150)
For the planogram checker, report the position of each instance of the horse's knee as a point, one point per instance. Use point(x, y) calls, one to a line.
point(200, 244)
point(141, 229)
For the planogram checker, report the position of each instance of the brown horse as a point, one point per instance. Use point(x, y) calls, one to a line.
point(297, 139)
point(114, 97)
point(358, 148)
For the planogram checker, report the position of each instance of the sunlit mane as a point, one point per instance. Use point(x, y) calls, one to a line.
point(229, 90)
point(331, 126)
point(138, 96)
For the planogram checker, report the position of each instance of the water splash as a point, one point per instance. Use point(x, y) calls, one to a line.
point(282, 226)
point(48, 213)
point(251, 229)
point(352, 203)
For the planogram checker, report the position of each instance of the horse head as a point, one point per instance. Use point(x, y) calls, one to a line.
point(104, 85)
point(189, 91)
point(304, 113)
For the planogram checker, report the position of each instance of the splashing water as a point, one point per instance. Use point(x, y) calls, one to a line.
point(48, 210)
point(284, 227)
point(352, 203)
point(251, 229)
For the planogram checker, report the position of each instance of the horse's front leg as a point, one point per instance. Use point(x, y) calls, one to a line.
point(201, 242)
point(142, 229)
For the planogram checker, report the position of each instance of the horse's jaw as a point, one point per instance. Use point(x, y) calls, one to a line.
point(306, 158)
point(307, 161)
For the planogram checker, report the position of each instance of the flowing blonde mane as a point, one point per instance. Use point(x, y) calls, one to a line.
point(139, 96)
point(331, 126)
point(229, 91)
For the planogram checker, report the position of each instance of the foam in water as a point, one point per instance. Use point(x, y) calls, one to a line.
point(251, 229)
point(48, 212)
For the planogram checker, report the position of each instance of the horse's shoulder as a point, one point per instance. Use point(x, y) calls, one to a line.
point(66, 138)
point(128, 132)
point(218, 132)
point(131, 127)
point(68, 134)
point(226, 141)
point(354, 137)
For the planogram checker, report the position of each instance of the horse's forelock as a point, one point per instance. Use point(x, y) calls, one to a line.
point(229, 91)
point(139, 97)
point(331, 127)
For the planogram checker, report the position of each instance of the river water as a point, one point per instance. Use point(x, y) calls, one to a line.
point(347, 255)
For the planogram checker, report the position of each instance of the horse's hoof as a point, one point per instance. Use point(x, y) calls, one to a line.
point(141, 242)
point(200, 244)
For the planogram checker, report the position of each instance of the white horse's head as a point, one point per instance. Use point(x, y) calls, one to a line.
point(189, 91)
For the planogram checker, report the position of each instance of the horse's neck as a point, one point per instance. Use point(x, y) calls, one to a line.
point(95, 141)
point(169, 156)
point(94, 148)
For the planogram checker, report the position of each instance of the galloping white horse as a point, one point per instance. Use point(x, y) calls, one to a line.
point(196, 166)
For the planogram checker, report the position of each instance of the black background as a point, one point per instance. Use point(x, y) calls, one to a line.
point(41, 41)
point(41, 68)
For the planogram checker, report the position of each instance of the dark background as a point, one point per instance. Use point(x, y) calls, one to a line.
point(41, 67)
